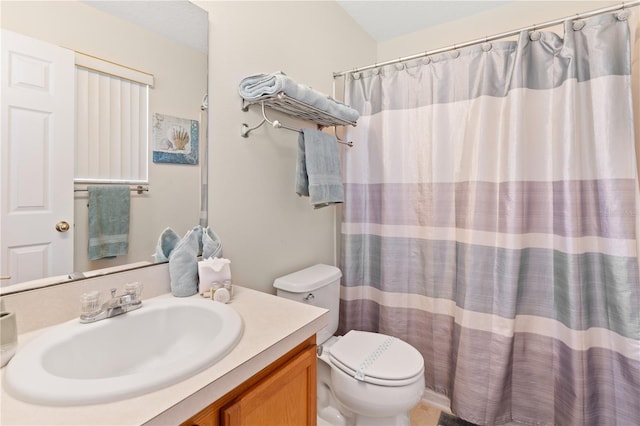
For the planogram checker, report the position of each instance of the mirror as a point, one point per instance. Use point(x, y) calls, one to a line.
point(167, 39)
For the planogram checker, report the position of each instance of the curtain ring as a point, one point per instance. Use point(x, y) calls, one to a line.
point(623, 14)
point(486, 46)
point(578, 25)
point(455, 52)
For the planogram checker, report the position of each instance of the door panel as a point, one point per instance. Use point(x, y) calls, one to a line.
point(36, 158)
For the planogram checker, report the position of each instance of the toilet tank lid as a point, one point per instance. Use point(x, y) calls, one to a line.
point(308, 279)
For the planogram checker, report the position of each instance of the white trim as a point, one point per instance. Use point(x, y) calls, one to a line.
point(111, 68)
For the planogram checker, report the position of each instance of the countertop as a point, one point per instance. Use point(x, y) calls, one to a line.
point(272, 327)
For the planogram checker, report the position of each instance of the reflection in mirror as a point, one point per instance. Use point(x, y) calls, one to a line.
point(164, 39)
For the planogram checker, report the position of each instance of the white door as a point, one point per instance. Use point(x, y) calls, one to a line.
point(36, 159)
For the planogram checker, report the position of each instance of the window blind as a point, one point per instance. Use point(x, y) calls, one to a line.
point(112, 127)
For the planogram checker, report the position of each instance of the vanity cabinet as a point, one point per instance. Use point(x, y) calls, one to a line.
point(284, 393)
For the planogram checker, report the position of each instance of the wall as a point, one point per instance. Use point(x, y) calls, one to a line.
point(266, 229)
point(510, 16)
point(175, 189)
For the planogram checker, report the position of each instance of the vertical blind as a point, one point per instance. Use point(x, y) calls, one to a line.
point(112, 127)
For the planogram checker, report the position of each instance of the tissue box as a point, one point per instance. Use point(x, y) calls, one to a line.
point(213, 270)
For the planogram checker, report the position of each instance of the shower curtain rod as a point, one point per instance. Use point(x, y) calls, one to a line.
point(533, 27)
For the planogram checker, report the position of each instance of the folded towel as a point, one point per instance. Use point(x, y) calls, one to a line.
point(166, 243)
point(318, 171)
point(262, 86)
point(258, 86)
point(211, 244)
point(199, 230)
point(109, 208)
point(183, 266)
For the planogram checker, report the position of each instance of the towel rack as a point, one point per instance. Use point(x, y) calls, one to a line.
point(283, 103)
point(138, 188)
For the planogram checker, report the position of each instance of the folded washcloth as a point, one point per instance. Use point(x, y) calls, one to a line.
point(166, 243)
point(109, 208)
point(183, 266)
point(262, 86)
point(318, 171)
point(211, 244)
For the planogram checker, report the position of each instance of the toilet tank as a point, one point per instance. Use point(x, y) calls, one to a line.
point(317, 285)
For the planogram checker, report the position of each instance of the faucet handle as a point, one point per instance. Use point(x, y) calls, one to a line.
point(90, 303)
point(134, 289)
point(113, 293)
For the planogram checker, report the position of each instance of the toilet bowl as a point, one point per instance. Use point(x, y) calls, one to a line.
point(364, 378)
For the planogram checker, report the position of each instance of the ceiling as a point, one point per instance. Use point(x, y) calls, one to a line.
point(382, 19)
point(179, 20)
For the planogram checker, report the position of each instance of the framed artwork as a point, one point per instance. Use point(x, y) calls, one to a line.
point(175, 140)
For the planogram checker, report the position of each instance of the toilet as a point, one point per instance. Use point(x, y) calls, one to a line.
point(364, 378)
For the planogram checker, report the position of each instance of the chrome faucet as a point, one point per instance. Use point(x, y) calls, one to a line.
point(93, 311)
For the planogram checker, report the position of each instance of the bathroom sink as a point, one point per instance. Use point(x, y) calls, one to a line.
point(164, 342)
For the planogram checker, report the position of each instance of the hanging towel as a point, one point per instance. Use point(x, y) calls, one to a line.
point(318, 170)
point(108, 220)
point(261, 86)
point(183, 266)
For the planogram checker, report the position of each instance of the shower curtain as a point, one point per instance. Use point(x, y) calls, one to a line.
point(490, 221)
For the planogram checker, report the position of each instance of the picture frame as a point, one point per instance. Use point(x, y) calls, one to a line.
point(175, 140)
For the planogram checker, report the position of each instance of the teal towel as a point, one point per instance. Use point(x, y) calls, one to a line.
point(211, 244)
point(109, 208)
point(166, 243)
point(183, 266)
point(319, 171)
point(198, 230)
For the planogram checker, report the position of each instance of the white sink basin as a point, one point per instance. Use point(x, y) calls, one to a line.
point(164, 342)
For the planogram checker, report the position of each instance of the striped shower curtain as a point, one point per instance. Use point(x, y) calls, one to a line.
point(490, 221)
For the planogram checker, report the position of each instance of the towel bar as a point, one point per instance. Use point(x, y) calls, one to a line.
point(138, 188)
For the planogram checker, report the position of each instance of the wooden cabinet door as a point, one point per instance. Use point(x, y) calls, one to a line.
point(285, 398)
point(207, 417)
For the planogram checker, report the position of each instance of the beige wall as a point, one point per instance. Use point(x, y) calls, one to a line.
point(511, 16)
point(180, 82)
point(266, 229)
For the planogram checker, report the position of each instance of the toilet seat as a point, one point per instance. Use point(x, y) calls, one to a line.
point(377, 359)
